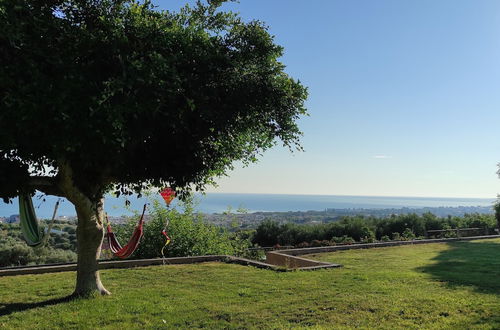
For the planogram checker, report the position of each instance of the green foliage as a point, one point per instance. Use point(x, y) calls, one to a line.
point(266, 233)
point(343, 240)
point(496, 208)
point(189, 234)
point(15, 252)
point(369, 229)
point(408, 234)
point(368, 236)
point(124, 84)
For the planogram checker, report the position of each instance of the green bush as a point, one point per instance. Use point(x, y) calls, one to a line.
point(368, 236)
point(396, 236)
point(17, 253)
point(315, 243)
point(408, 234)
point(189, 234)
point(303, 245)
point(343, 240)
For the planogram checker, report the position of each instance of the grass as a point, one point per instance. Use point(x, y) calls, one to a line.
point(455, 286)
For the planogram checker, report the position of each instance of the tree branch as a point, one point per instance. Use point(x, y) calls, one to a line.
point(45, 184)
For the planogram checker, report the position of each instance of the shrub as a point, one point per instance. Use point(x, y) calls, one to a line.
point(343, 240)
point(266, 233)
point(17, 253)
point(303, 245)
point(408, 234)
point(368, 236)
point(189, 234)
point(325, 242)
point(315, 243)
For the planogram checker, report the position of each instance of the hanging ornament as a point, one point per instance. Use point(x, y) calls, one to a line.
point(168, 195)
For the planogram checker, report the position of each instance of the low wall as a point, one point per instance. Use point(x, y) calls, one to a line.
point(289, 261)
point(303, 251)
point(110, 264)
point(288, 258)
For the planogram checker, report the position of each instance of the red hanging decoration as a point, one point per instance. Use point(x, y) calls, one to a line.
point(168, 195)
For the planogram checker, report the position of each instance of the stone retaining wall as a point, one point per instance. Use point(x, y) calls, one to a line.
point(289, 259)
point(293, 262)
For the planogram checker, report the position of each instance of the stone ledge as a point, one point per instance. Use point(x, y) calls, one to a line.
point(111, 264)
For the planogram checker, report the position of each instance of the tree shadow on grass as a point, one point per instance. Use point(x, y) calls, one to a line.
point(472, 263)
point(9, 308)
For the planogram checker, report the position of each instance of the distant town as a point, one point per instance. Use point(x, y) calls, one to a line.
point(252, 220)
point(14, 218)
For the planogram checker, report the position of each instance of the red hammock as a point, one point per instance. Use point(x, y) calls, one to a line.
point(133, 243)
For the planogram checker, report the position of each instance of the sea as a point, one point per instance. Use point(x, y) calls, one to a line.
point(222, 202)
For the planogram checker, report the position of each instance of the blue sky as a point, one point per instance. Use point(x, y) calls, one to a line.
point(404, 97)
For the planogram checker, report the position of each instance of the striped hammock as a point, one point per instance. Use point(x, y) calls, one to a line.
point(29, 222)
point(123, 252)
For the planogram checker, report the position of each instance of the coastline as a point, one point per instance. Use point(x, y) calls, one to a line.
point(213, 203)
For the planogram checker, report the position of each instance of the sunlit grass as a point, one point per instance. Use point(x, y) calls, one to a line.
point(426, 286)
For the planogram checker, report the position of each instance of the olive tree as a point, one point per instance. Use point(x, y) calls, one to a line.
point(116, 96)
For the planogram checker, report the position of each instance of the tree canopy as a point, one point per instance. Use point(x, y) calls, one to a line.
point(125, 96)
point(107, 95)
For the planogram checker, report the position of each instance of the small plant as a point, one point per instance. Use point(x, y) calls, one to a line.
point(244, 292)
point(367, 239)
point(385, 238)
point(303, 245)
point(343, 240)
point(496, 208)
point(396, 237)
point(408, 234)
point(315, 243)
point(325, 242)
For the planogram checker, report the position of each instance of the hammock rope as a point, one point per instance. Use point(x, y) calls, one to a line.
point(49, 228)
point(125, 251)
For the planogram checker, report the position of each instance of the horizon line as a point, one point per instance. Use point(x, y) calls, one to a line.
point(341, 195)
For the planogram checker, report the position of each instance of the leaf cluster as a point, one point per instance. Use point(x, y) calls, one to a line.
point(131, 97)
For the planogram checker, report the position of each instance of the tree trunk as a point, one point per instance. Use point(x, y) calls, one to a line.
point(89, 232)
point(89, 235)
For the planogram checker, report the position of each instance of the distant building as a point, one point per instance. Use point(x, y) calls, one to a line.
point(13, 219)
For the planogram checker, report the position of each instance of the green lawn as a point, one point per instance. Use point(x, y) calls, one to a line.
point(454, 285)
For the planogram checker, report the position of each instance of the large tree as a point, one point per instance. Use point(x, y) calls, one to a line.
point(115, 95)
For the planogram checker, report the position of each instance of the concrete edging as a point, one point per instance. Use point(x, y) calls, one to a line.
point(111, 264)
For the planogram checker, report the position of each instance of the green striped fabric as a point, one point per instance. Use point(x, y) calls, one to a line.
point(29, 222)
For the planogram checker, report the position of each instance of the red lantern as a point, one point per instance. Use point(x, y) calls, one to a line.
point(168, 195)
